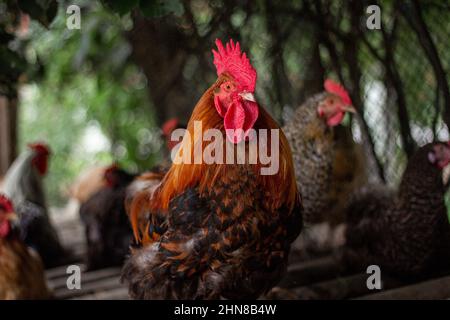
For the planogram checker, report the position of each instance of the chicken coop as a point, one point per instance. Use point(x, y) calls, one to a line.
point(91, 93)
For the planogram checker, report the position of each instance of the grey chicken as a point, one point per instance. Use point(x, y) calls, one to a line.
point(23, 185)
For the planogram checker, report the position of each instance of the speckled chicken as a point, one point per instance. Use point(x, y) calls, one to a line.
point(406, 233)
point(321, 150)
point(108, 232)
point(329, 165)
point(21, 270)
point(217, 230)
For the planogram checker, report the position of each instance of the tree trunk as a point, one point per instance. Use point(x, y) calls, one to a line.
point(162, 50)
point(8, 132)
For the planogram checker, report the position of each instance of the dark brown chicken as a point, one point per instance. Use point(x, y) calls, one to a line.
point(108, 232)
point(21, 270)
point(217, 230)
point(88, 182)
point(406, 233)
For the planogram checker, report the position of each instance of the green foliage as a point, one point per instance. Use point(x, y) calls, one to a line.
point(91, 102)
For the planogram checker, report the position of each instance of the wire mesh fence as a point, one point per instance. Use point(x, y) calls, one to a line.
point(397, 75)
point(417, 82)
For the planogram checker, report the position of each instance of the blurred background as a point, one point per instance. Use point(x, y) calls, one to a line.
point(100, 93)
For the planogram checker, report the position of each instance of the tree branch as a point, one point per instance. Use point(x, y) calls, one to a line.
point(396, 82)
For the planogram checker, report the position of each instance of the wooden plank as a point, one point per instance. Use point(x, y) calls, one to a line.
point(8, 132)
point(89, 288)
point(79, 252)
point(86, 277)
point(57, 272)
point(428, 290)
point(301, 274)
point(115, 294)
point(341, 288)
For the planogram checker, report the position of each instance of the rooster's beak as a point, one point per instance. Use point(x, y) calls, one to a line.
point(349, 108)
point(247, 96)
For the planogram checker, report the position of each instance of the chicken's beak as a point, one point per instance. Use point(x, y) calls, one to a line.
point(349, 108)
point(248, 96)
point(13, 219)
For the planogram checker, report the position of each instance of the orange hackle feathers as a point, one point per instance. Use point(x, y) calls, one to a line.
point(139, 203)
point(136, 210)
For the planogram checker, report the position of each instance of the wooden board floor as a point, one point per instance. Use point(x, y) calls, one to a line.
point(316, 279)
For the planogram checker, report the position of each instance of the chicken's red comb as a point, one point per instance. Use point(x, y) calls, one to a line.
point(169, 126)
point(111, 169)
point(337, 89)
point(40, 147)
point(6, 204)
point(230, 59)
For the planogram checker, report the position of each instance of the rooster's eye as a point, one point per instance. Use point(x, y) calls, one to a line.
point(227, 86)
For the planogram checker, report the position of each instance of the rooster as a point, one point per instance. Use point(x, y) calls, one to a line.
point(23, 185)
point(21, 270)
point(406, 233)
point(217, 230)
point(108, 232)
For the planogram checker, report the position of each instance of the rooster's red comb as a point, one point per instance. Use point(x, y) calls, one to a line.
point(337, 89)
point(230, 59)
point(40, 147)
point(6, 204)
